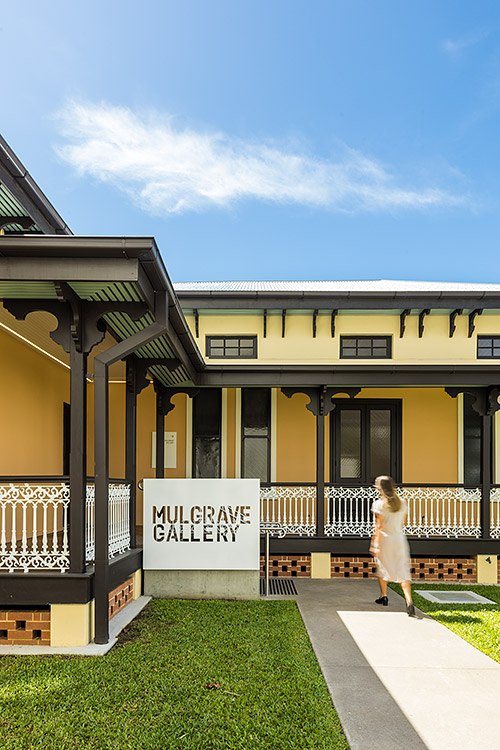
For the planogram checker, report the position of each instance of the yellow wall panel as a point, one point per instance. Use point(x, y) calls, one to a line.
point(296, 440)
point(33, 389)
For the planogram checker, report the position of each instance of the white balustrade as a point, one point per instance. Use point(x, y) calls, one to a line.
point(118, 520)
point(432, 511)
point(34, 527)
point(288, 510)
point(495, 512)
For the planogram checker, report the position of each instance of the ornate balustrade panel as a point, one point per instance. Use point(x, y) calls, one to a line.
point(119, 525)
point(432, 511)
point(349, 510)
point(443, 511)
point(90, 524)
point(34, 527)
point(288, 509)
point(495, 512)
point(118, 520)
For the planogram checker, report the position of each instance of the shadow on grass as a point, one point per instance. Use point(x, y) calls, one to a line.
point(463, 618)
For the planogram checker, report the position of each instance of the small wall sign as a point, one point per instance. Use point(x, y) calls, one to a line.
point(201, 524)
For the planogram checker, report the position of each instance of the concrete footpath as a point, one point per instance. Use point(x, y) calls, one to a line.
point(399, 683)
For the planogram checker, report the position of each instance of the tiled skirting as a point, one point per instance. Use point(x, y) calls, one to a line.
point(25, 627)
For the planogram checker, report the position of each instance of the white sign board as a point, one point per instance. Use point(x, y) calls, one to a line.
point(201, 524)
point(170, 448)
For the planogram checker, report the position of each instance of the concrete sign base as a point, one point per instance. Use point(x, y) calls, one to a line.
point(202, 584)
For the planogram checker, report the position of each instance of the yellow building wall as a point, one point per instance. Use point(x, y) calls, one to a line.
point(298, 345)
point(295, 440)
point(116, 430)
point(33, 389)
point(231, 433)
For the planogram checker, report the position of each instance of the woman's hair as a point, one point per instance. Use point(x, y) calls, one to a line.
point(388, 489)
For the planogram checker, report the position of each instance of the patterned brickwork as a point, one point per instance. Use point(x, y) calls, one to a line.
point(422, 568)
point(121, 596)
point(287, 566)
point(24, 628)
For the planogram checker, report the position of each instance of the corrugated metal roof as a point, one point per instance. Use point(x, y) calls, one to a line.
point(380, 285)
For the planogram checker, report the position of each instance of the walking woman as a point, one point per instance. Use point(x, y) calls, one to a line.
point(389, 546)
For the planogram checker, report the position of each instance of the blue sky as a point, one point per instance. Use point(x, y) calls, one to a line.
point(267, 140)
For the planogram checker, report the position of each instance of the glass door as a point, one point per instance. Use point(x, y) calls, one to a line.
point(366, 441)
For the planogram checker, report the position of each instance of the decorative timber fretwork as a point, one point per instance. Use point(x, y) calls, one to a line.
point(196, 323)
point(283, 321)
point(25, 222)
point(320, 399)
point(79, 321)
point(164, 396)
point(402, 322)
point(137, 370)
point(485, 399)
point(472, 320)
point(453, 317)
point(315, 318)
point(265, 324)
point(421, 318)
point(334, 315)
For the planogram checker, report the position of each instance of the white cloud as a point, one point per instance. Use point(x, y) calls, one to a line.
point(168, 169)
point(455, 47)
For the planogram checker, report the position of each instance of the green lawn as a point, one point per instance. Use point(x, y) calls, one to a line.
point(477, 623)
point(187, 674)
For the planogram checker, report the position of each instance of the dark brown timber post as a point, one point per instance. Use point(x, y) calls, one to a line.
point(78, 458)
point(131, 445)
point(160, 434)
point(101, 585)
point(320, 464)
point(101, 365)
point(485, 476)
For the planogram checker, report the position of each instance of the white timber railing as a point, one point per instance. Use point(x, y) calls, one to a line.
point(34, 527)
point(433, 511)
point(495, 512)
point(118, 520)
point(288, 509)
point(35, 519)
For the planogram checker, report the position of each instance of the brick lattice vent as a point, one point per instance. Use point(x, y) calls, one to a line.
point(287, 566)
point(422, 568)
point(27, 627)
point(121, 596)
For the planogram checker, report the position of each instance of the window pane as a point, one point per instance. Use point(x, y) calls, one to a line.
point(207, 457)
point(255, 459)
point(472, 442)
point(255, 411)
point(232, 351)
point(380, 442)
point(206, 413)
point(350, 444)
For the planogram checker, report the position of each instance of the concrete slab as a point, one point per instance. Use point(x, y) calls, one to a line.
point(398, 682)
point(116, 625)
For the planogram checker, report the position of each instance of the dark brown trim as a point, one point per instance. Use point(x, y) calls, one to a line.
point(340, 301)
point(359, 546)
point(122, 566)
point(362, 376)
point(40, 589)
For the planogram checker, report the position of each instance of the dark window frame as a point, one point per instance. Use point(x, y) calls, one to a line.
point(495, 344)
point(244, 437)
point(194, 435)
point(364, 405)
point(239, 337)
point(360, 339)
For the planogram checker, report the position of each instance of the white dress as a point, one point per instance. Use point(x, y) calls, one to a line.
point(393, 560)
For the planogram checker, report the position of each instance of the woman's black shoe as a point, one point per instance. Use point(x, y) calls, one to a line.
point(382, 600)
point(411, 610)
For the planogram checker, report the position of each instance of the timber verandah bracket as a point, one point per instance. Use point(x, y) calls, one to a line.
point(320, 404)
